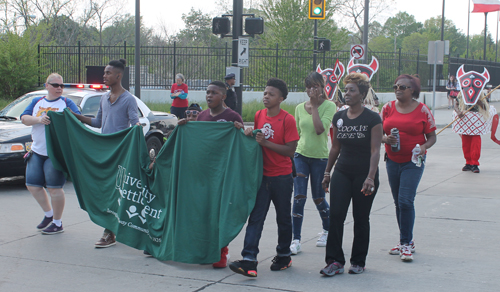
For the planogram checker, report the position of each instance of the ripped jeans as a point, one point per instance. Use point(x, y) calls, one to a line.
point(314, 168)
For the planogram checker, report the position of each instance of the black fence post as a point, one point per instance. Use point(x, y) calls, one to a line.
point(173, 72)
point(418, 59)
point(125, 50)
point(399, 62)
point(39, 67)
point(277, 52)
point(79, 63)
point(225, 58)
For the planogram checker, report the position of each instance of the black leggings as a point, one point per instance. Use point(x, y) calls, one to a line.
point(344, 188)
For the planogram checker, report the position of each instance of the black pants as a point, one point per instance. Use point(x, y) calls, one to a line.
point(344, 188)
point(180, 112)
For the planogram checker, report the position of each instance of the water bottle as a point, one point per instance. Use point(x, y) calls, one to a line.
point(395, 133)
point(416, 158)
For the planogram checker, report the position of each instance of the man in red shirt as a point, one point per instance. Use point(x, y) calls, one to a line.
point(278, 138)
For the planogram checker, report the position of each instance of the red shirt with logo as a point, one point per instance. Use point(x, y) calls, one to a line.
point(280, 129)
point(412, 128)
point(183, 89)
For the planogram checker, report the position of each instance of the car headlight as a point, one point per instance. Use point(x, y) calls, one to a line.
point(11, 148)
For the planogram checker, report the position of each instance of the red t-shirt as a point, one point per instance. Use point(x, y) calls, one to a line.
point(412, 129)
point(183, 89)
point(280, 129)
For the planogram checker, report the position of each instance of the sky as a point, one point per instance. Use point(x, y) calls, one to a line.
point(168, 13)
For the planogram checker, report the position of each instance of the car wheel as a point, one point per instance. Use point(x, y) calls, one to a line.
point(153, 143)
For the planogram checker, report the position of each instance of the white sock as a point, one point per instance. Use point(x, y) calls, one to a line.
point(49, 214)
point(58, 223)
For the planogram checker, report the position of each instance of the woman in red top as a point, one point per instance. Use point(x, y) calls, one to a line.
point(179, 95)
point(416, 125)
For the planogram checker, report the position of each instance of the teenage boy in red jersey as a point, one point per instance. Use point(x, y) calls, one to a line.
point(278, 139)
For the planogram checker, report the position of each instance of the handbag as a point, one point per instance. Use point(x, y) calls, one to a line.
point(453, 93)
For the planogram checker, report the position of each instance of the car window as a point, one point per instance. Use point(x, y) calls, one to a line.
point(139, 113)
point(91, 106)
point(17, 107)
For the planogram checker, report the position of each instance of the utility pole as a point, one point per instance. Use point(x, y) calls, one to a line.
point(365, 25)
point(137, 63)
point(237, 32)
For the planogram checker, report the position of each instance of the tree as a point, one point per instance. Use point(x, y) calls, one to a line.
point(18, 65)
point(458, 41)
point(198, 30)
point(353, 10)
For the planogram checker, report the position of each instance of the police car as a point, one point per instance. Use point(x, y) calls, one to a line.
point(15, 137)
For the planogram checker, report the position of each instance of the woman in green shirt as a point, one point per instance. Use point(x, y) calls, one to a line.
point(313, 119)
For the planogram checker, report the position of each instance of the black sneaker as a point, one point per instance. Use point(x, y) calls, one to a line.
point(467, 167)
point(475, 168)
point(53, 229)
point(45, 222)
point(281, 263)
point(246, 268)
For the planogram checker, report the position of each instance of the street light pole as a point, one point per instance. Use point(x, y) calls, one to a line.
point(237, 32)
point(365, 27)
point(137, 63)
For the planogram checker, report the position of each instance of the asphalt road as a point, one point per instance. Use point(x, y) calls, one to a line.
point(456, 230)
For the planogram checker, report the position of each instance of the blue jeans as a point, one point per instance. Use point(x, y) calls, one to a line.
point(277, 189)
point(404, 179)
point(315, 168)
point(40, 173)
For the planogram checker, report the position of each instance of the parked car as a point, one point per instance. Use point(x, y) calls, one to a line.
point(15, 137)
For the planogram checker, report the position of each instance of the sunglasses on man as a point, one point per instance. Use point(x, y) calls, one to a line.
point(57, 85)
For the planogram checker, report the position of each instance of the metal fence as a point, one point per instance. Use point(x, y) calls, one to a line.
point(201, 65)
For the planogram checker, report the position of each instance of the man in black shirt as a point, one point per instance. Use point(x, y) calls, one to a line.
point(230, 100)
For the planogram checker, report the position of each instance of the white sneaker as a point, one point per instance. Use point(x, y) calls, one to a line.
point(295, 246)
point(323, 236)
point(406, 253)
point(397, 249)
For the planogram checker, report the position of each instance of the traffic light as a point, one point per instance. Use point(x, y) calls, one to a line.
point(254, 25)
point(317, 9)
point(324, 45)
point(221, 25)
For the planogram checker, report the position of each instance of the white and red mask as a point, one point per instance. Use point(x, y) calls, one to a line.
point(332, 78)
point(368, 70)
point(472, 84)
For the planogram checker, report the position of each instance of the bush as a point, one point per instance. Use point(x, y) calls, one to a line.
point(18, 65)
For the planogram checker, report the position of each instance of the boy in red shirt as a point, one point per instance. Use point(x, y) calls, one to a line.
point(278, 139)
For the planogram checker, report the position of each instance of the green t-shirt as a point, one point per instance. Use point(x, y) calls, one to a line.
point(310, 144)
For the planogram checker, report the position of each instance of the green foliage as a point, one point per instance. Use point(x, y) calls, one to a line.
point(18, 65)
point(4, 102)
point(198, 30)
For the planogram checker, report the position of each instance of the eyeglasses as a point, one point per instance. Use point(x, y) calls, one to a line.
point(400, 87)
point(57, 85)
point(192, 112)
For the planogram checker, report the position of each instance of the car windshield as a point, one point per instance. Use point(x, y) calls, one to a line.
point(17, 107)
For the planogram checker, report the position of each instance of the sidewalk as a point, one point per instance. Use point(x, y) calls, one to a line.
point(456, 228)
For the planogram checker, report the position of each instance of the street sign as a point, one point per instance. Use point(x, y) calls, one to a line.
point(243, 52)
point(358, 52)
point(435, 53)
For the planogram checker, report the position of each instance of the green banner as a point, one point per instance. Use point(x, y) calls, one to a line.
point(193, 202)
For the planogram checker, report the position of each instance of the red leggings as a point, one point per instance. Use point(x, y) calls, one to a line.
point(471, 145)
